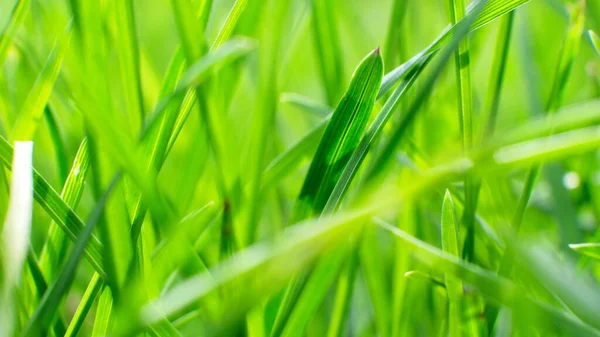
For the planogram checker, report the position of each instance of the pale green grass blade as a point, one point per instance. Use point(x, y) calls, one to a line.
point(230, 23)
point(454, 287)
point(269, 64)
point(46, 310)
point(494, 287)
point(87, 300)
point(314, 291)
point(589, 249)
point(343, 294)
point(298, 247)
point(103, 312)
point(394, 46)
point(55, 247)
point(339, 140)
point(59, 146)
point(33, 109)
point(492, 10)
point(60, 212)
point(16, 18)
point(328, 47)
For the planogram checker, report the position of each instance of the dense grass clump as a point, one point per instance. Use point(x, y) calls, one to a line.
point(283, 168)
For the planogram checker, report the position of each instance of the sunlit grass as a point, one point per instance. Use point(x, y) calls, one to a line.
point(299, 168)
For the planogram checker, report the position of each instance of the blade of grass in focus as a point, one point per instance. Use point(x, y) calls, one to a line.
point(339, 140)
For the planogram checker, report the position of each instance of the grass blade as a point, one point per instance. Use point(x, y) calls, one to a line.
point(454, 286)
point(17, 15)
point(55, 247)
point(589, 249)
point(31, 113)
point(53, 296)
point(328, 48)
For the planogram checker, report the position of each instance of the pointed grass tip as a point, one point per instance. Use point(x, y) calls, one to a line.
point(376, 51)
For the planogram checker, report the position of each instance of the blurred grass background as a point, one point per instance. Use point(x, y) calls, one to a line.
point(188, 181)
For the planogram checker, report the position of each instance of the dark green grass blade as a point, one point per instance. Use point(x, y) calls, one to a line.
point(370, 137)
point(60, 212)
point(15, 20)
point(341, 137)
point(339, 140)
point(54, 249)
point(52, 298)
point(59, 145)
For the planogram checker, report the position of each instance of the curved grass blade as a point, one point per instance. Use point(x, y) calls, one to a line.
point(595, 40)
point(87, 300)
point(126, 44)
point(55, 247)
point(17, 15)
point(33, 109)
point(54, 295)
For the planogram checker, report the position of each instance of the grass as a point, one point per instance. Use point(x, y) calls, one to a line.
point(299, 168)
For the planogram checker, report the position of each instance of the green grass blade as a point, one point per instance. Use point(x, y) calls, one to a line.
point(33, 109)
point(341, 137)
point(54, 295)
point(304, 243)
point(55, 247)
point(328, 47)
point(126, 43)
point(60, 212)
point(492, 10)
point(306, 103)
point(499, 64)
point(230, 23)
point(103, 312)
point(17, 15)
point(87, 300)
point(569, 50)
point(59, 146)
point(454, 287)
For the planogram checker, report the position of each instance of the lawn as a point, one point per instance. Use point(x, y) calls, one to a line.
point(288, 168)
